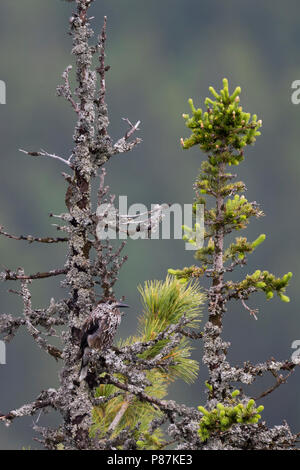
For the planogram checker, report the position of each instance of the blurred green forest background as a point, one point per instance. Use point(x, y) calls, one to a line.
point(161, 53)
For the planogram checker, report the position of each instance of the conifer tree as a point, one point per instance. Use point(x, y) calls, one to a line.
point(230, 417)
point(120, 404)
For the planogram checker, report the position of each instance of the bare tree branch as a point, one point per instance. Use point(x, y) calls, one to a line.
point(65, 90)
point(44, 400)
point(15, 276)
point(31, 239)
point(43, 153)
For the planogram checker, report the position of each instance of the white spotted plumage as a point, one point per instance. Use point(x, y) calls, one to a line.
point(99, 331)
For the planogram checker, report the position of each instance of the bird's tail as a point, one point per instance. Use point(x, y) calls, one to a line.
point(84, 365)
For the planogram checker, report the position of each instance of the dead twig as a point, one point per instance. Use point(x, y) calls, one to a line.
point(31, 239)
point(43, 153)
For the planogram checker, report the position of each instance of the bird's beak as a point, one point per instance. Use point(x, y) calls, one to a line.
point(121, 305)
